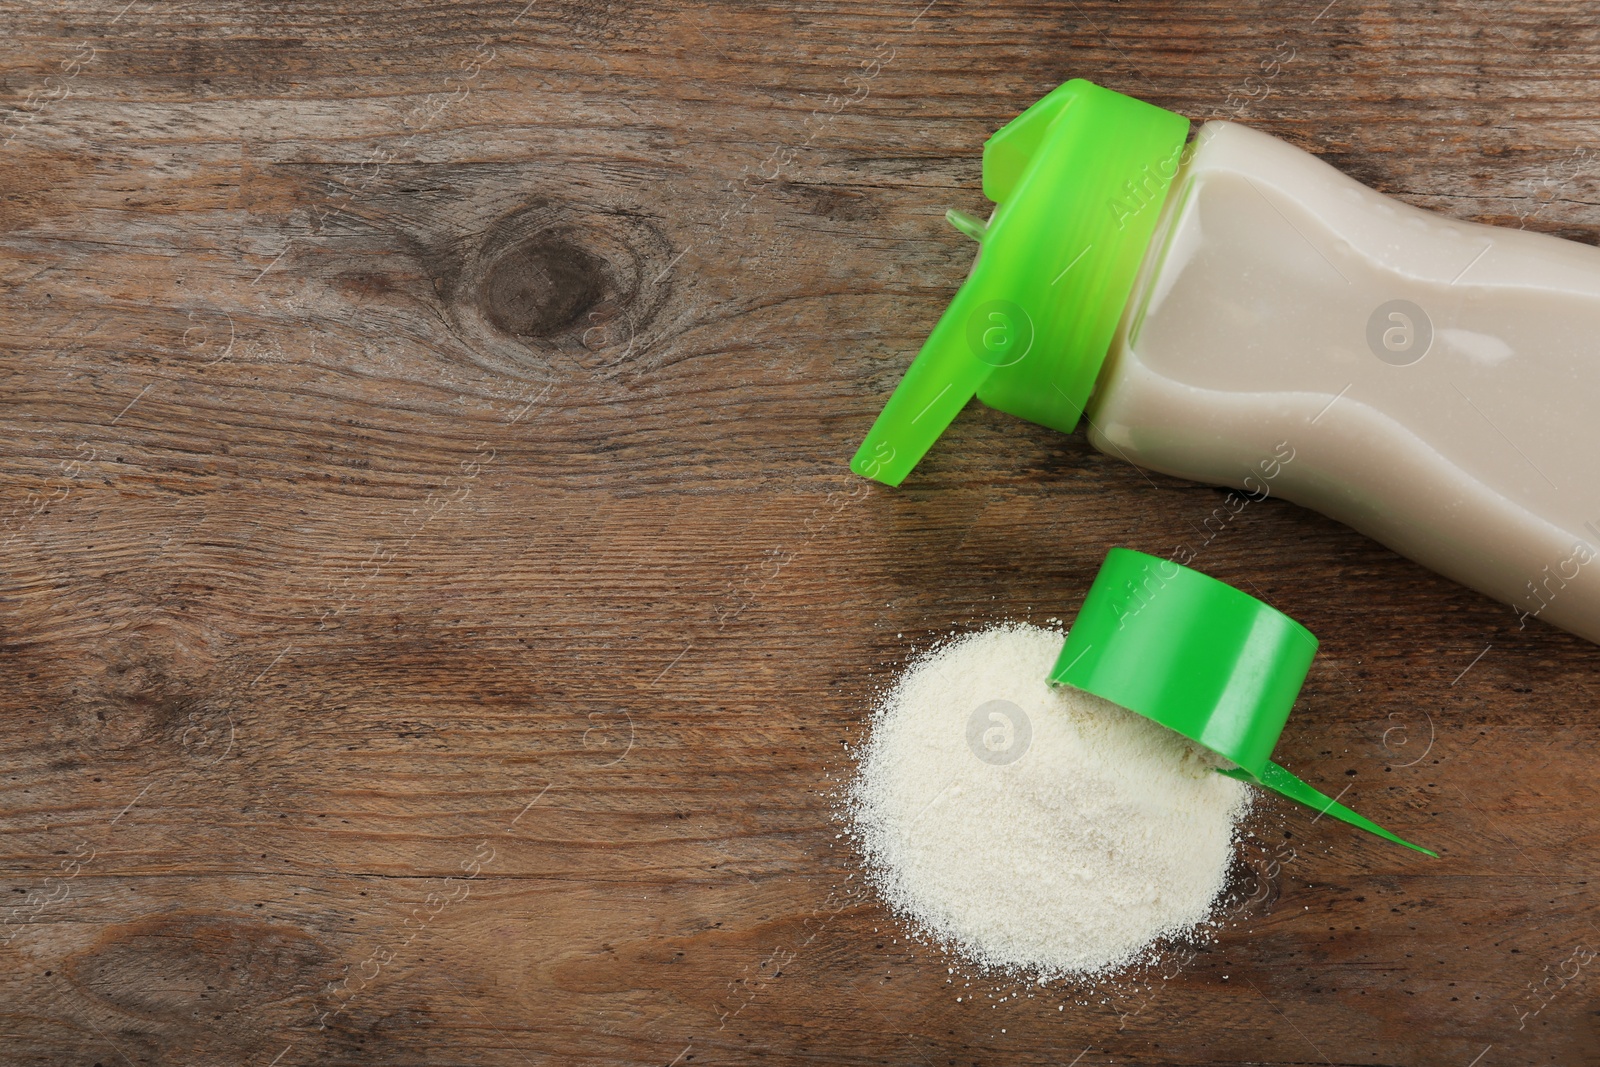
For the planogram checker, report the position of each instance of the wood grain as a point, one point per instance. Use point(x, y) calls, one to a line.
point(436, 612)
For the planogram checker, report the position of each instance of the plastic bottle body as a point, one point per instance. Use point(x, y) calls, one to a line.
point(1432, 383)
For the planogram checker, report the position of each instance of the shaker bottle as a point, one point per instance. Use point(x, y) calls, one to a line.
point(1231, 310)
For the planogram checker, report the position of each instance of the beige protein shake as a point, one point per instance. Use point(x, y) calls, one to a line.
point(1432, 383)
point(1235, 311)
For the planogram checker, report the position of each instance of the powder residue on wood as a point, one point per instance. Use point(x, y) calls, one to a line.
point(1035, 828)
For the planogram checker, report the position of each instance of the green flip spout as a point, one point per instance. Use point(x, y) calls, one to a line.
point(1078, 180)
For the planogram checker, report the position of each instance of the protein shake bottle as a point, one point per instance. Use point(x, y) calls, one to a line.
point(1237, 312)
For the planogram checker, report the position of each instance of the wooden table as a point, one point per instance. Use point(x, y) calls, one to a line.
point(436, 612)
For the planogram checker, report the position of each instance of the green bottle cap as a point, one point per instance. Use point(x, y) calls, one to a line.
point(1199, 657)
point(1079, 179)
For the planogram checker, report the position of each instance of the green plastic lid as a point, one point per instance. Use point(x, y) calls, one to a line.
point(1199, 657)
point(1079, 179)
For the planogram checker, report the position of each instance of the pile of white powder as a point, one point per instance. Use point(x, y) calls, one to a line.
point(1037, 829)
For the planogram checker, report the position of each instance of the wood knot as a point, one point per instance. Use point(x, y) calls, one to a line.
point(187, 969)
point(542, 286)
point(567, 283)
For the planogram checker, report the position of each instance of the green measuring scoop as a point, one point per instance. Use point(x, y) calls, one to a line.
point(1202, 658)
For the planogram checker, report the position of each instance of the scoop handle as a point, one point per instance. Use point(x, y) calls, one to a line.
point(1281, 781)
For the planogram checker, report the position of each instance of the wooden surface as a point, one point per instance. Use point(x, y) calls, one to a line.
point(435, 608)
